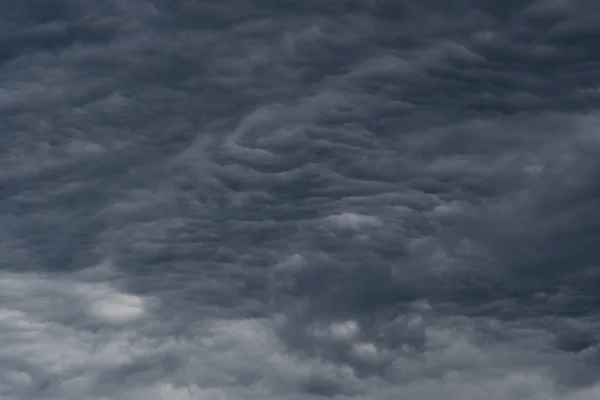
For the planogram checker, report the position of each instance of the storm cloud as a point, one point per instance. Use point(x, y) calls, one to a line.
point(223, 200)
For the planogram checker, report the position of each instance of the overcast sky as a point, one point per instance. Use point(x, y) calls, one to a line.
point(281, 199)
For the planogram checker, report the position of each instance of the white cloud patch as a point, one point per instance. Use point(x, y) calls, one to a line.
point(354, 221)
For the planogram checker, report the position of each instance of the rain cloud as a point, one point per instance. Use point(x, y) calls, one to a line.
point(236, 200)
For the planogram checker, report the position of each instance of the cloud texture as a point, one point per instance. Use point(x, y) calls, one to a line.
point(223, 200)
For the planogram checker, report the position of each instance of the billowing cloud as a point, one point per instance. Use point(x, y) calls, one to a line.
point(282, 199)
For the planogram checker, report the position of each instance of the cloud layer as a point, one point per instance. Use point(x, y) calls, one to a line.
point(301, 200)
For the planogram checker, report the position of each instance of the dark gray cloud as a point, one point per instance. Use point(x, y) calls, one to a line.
point(229, 200)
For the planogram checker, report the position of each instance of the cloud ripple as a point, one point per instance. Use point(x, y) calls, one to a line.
point(354, 199)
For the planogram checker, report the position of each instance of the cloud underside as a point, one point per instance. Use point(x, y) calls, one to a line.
point(369, 200)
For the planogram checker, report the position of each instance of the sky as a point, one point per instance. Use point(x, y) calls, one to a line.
point(299, 200)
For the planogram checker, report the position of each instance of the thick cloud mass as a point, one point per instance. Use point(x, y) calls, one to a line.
point(238, 200)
